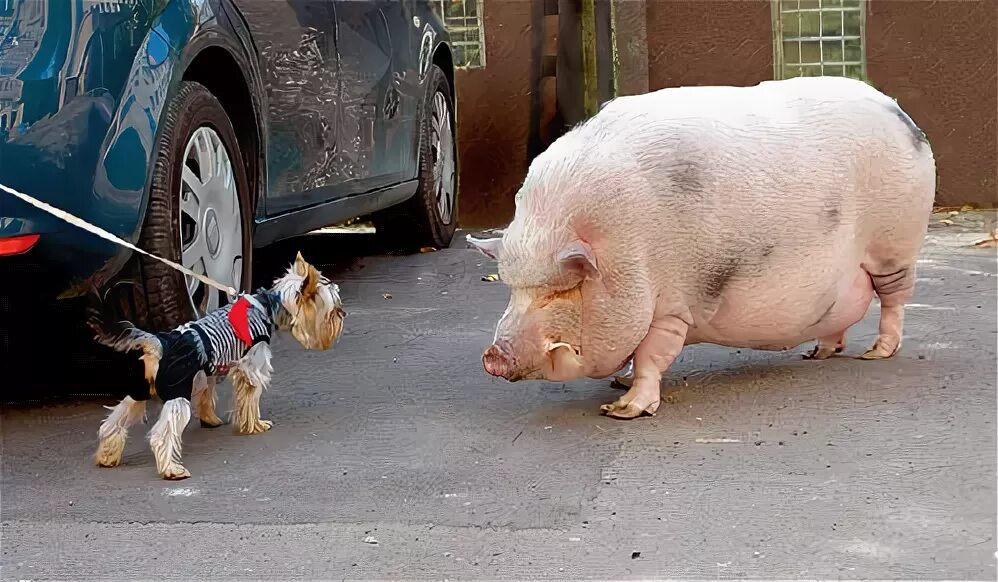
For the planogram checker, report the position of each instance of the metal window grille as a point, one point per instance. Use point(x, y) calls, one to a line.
point(464, 22)
point(819, 37)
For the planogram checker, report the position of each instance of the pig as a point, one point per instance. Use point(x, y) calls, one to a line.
point(760, 217)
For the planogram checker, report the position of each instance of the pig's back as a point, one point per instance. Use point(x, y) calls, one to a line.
point(835, 153)
point(778, 104)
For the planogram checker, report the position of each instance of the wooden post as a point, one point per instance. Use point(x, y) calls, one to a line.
point(590, 79)
point(614, 55)
point(630, 21)
point(569, 76)
point(606, 52)
point(587, 66)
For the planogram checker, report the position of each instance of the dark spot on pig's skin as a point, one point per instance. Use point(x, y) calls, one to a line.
point(832, 217)
point(831, 210)
point(918, 138)
point(888, 266)
point(687, 178)
point(717, 277)
point(767, 250)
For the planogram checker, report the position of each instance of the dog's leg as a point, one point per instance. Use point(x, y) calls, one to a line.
point(164, 438)
point(250, 377)
point(114, 430)
point(204, 401)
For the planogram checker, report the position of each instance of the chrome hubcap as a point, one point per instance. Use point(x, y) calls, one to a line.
point(211, 228)
point(442, 138)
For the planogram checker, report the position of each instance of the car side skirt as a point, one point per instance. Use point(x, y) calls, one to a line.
point(301, 221)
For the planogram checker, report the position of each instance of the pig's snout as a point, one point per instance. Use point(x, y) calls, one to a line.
point(498, 359)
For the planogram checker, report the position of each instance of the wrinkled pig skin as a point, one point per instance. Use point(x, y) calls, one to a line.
point(750, 217)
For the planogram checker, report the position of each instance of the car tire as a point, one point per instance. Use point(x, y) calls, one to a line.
point(168, 301)
point(419, 221)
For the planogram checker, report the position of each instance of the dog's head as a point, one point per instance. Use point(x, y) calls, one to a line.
point(314, 311)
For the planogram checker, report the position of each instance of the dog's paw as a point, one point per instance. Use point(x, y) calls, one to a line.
point(176, 473)
point(258, 427)
point(110, 450)
point(108, 462)
point(212, 422)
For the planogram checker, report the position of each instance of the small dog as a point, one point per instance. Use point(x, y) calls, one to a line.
point(182, 365)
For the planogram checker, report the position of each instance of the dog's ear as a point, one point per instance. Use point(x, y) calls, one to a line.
point(310, 285)
point(301, 266)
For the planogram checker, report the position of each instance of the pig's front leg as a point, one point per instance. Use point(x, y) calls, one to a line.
point(655, 353)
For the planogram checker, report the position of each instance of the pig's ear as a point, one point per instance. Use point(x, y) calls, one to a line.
point(490, 247)
point(578, 257)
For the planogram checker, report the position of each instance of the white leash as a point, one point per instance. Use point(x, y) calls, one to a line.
point(80, 223)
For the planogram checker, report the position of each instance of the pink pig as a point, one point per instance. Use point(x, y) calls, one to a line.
point(753, 217)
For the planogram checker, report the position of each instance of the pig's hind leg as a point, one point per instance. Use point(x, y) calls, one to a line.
point(656, 352)
point(894, 287)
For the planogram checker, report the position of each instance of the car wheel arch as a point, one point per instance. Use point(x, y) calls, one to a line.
point(443, 58)
point(218, 69)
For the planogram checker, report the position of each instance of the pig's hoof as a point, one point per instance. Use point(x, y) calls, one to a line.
point(629, 410)
point(822, 352)
point(877, 353)
point(827, 347)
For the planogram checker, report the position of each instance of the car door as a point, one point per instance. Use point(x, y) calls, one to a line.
point(372, 39)
point(296, 46)
point(405, 98)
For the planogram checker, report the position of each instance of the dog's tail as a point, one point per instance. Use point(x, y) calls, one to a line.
point(123, 336)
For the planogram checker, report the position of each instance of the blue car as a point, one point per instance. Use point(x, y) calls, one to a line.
point(199, 130)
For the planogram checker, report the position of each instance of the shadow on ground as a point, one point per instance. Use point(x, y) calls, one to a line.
point(66, 363)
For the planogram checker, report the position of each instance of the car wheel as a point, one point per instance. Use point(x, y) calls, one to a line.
point(199, 212)
point(429, 218)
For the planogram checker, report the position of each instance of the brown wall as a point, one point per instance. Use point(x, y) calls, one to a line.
point(698, 42)
point(494, 109)
point(938, 59)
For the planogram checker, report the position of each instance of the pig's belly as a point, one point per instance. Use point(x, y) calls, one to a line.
point(775, 318)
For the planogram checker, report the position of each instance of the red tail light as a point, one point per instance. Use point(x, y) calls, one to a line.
point(16, 245)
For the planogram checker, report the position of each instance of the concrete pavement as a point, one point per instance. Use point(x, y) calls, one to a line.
point(396, 456)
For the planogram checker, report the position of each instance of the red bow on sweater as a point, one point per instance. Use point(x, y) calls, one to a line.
point(239, 320)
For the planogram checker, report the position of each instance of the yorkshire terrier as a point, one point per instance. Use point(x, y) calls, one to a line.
point(182, 365)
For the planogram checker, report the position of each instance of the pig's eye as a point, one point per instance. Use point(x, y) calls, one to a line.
point(544, 301)
point(567, 294)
